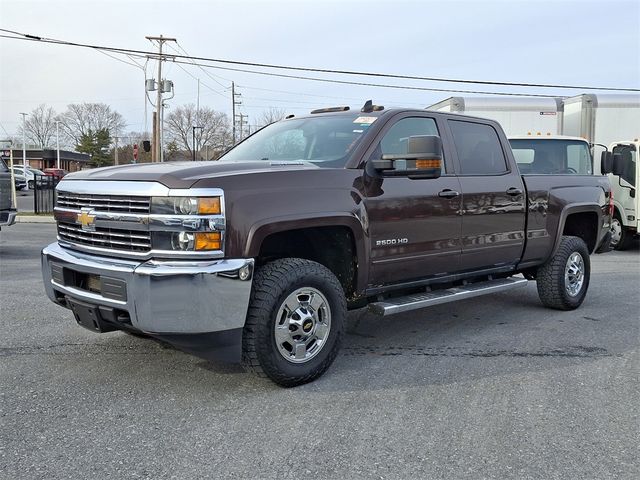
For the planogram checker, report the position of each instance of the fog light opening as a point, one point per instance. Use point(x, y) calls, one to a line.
point(244, 273)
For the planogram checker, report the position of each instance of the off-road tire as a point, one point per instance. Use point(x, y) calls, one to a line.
point(272, 283)
point(626, 236)
point(551, 276)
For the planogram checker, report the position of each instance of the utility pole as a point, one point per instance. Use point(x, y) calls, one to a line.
point(115, 152)
point(157, 131)
point(58, 143)
point(24, 143)
point(234, 102)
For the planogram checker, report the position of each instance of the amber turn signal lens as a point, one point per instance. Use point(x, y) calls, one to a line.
point(208, 241)
point(421, 164)
point(209, 206)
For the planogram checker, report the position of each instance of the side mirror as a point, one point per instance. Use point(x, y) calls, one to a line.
point(606, 162)
point(422, 160)
point(618, 164)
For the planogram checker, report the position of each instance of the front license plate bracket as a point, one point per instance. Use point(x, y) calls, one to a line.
point(88, 316)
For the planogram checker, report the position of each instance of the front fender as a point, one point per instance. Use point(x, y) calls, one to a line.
point(268, 226)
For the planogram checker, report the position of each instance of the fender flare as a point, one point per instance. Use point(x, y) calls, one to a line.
point(259, 231)
point(577, 208)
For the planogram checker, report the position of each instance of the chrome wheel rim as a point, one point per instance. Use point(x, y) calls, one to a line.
point(574, 274)
point(616, 231)
point(302, 325)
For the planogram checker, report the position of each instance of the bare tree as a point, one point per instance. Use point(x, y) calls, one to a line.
point(214, 136)
point(82, 118)
point(272, 114)
point(40, 126)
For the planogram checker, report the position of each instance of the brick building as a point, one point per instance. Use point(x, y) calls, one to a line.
point(41, 159)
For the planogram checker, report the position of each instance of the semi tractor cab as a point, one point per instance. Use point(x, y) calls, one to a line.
point(552, 155)
point(624, 183)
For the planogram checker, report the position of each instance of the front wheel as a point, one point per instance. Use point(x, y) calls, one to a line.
point(621, 237)
point(563, 281)
point(30, 184)
point(295, 321)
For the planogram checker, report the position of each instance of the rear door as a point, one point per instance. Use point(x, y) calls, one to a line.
point(493, 197)
point(414, 225)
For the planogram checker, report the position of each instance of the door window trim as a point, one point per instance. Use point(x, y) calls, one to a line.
point(449, 163)
point(501, 140)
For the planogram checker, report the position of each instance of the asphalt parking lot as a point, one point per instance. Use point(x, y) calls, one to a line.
point(496, 387)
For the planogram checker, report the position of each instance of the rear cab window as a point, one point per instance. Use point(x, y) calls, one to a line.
point(478, 147)
point(553, 156)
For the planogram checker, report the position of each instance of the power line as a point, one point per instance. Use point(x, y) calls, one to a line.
point(28, 37)
point(201, 82)
point(209, 74)
point(378, 85)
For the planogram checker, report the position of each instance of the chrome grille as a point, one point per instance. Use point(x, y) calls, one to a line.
point(104, 203)
point(112, 238)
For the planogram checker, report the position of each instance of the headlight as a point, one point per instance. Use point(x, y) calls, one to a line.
point(186, 205)
point(187, 241)
point(182, 240)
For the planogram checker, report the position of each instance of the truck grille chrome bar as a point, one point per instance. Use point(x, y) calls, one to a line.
point(116, 239)
point(104, 203)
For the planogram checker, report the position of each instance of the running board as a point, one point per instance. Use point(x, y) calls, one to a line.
point(421, 300)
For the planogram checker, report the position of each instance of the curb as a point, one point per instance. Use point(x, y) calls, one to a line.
point(35, 219)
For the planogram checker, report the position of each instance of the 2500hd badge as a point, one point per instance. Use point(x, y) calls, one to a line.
point(392, 241)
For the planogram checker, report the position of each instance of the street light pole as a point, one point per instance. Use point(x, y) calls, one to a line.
point(194, 142)
point(24, 143)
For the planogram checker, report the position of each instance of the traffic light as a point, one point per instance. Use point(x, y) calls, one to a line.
point(146, 145)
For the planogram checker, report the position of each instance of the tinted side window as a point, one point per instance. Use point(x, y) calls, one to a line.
point(396, 140)
point(478, 148)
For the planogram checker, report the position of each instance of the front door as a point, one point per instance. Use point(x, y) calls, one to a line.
point(414, 225)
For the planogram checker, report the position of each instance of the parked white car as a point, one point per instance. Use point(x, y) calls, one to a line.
point(29, 174)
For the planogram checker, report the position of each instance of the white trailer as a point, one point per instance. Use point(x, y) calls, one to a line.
point(517, 115)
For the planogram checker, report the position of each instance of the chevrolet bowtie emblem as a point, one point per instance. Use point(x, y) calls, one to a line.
point(86, 218)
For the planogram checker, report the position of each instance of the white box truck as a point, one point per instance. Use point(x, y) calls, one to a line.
point(625, 224)
point(603, 120)
point(517, 115)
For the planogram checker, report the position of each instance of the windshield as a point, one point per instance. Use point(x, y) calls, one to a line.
point(327, 141)
point(552, 156)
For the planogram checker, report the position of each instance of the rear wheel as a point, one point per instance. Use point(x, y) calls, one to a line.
point(621, 237)
point(295, 322)
point(563, 281)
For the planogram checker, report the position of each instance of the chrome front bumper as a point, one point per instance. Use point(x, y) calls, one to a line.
point(160, 297)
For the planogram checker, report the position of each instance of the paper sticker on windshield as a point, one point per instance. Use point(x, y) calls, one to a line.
point(365, 120)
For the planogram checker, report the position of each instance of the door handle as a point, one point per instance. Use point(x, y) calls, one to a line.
point(448, 193)
point(513, 191)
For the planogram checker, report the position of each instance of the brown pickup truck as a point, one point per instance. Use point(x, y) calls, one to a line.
point(259, 256)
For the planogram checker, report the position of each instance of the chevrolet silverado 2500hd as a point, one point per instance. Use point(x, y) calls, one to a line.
point(258, 257)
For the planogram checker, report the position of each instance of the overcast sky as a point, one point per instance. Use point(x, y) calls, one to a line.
point(559, 42)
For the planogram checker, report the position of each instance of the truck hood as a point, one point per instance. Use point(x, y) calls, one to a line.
point(183, 174)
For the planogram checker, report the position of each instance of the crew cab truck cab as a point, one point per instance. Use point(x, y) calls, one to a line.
point(259, 256)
